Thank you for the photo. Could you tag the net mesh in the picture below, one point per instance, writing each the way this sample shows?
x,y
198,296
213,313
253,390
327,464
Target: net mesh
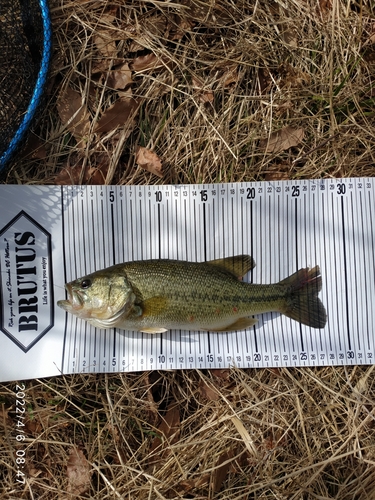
x,y
25,46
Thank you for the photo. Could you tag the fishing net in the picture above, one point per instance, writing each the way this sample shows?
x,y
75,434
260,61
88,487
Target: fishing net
x,y
25,49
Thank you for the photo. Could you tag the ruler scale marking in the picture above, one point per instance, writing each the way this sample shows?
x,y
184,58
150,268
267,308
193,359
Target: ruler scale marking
x,y
333,273
279,273
360,278
113,234
103,227
85,247
269,243
74,264
345,272
370,211
63,196
353,270
323,267
364,260
258,263
297,235
113,239
325,243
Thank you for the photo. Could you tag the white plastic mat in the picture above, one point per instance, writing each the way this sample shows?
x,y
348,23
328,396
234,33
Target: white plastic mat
x,y
51,235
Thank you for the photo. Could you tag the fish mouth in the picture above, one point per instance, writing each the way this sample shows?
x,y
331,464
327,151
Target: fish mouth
x,y
73,303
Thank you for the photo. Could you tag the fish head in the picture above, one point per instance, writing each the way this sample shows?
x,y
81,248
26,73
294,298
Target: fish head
x,y
102,297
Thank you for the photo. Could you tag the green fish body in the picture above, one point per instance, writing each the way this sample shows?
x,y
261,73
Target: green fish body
x,y
154,296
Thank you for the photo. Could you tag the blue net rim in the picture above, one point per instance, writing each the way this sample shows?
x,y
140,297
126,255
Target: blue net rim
x,y
38,89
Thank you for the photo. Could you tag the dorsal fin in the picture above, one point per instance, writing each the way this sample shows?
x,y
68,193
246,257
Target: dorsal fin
x,y
239,265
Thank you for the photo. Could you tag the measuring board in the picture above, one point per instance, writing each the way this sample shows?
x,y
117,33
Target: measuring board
x,y
285,225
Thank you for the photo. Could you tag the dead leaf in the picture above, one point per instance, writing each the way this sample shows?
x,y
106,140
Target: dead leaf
x,y
221,470
277,176
143,63
208,392
169,428
136,45
4,416
264,80
230,76
105,64
221,373
33,427
275,439
149,160
35,147
119,78
78,174
151,27
74,114
78,472
325,7
170,425
278,172
152,406
292,78
106,45
211,14
283,108
287,137
205,95
104,38
118,114
178,29
290,37
371,38
154,24
189,484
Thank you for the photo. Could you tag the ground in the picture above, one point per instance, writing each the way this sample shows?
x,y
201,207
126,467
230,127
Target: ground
x,y
191,92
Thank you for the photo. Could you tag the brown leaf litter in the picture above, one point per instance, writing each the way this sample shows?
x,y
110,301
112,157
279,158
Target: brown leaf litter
x,y
149,160
78,472
285,138
169,430
74,114
81,173
118,114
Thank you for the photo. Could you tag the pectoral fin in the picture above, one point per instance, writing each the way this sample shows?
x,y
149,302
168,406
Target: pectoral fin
x,y
239,265
154,306
240,324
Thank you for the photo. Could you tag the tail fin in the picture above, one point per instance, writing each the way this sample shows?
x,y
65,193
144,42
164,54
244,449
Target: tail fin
x,y
302,301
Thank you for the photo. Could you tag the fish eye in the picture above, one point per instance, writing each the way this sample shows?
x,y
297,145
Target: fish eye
x,y
85,283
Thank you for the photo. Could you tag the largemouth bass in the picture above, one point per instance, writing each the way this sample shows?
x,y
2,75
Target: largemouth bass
x,y
154,296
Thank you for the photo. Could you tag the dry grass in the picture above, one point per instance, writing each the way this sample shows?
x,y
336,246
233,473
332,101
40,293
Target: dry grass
x,y
272,434
227,75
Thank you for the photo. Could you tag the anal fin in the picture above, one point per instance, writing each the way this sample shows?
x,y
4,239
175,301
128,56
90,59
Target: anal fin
x,y
240,324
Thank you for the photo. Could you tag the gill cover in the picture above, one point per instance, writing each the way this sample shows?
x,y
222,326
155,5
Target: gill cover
x,y
100,298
